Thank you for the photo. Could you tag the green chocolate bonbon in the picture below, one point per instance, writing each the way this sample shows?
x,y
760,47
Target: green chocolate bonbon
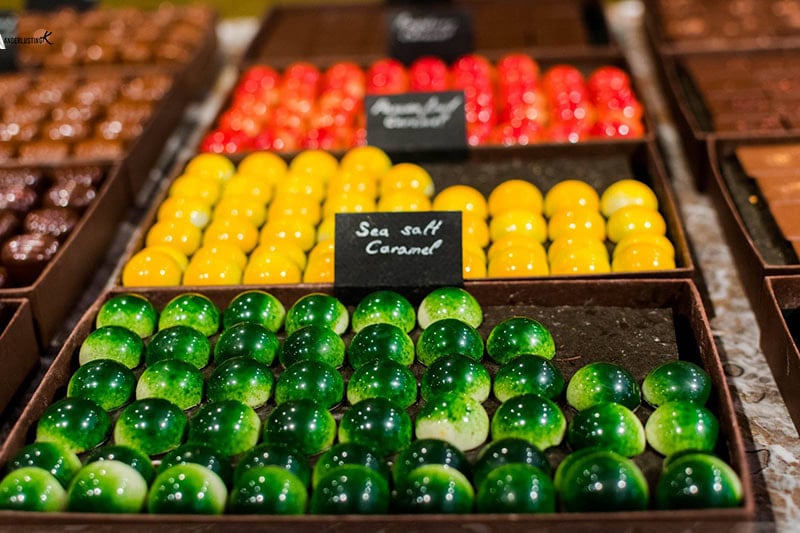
x,y
378,423
383,378
602,382
179,342
380,341
679,426
528,374
107,487
460,420
191,309
131,311
676,381
268,490
449,336
449,302
174,380
257,307
75,423
246,340
318,309
112,342
302,425
152,425
610,426
517,336
243,379
108,383
187,489
530,417
229,426
384,307
312,343
456,375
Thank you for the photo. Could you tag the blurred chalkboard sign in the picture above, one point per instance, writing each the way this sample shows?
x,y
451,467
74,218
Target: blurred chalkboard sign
x,y
440,31
55,5
417,122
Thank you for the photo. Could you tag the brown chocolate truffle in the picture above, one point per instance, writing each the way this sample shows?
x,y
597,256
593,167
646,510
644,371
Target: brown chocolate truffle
x,y
19,199
129,111
66,130
14,83
5,279
43,152
57,222
20,132
99,149
74,111
99,53
70,194
136,52
21,177
26,256
25,113
87,175
9,224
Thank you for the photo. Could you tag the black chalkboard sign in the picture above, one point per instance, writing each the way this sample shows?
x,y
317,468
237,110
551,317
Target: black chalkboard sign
x,y
412,122
444,32
398,250
8,49
55,5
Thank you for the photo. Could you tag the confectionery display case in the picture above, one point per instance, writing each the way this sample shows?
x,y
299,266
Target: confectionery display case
x,y
482,264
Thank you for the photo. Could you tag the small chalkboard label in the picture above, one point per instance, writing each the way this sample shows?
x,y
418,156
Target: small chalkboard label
x,y
8,47
444,32
412,122
398,250
55,5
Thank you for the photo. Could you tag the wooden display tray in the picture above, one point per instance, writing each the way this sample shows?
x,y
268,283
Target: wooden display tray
x,y
666,45
190,81
599,164
692,119
759,249
590,320
330,33
779,323
60,285
19,351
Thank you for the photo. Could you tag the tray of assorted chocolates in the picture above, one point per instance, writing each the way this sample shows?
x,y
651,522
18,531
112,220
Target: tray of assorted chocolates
x,y
753,191
513,99
381,412
698,25
179,39
329,33
555,210
55,225
98,115
19,349
730,95
778,314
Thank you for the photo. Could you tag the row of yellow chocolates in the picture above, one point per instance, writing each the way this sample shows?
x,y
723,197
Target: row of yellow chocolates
x,y
267,222
578,226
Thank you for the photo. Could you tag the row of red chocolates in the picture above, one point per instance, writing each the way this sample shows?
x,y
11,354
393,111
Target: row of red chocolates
x,y
513,101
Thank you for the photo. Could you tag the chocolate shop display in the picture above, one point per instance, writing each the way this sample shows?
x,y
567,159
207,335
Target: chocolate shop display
x,y
246,360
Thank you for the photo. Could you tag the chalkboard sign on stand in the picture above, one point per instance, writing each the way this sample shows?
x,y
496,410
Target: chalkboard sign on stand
x,y
412,252
417,122
439,31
